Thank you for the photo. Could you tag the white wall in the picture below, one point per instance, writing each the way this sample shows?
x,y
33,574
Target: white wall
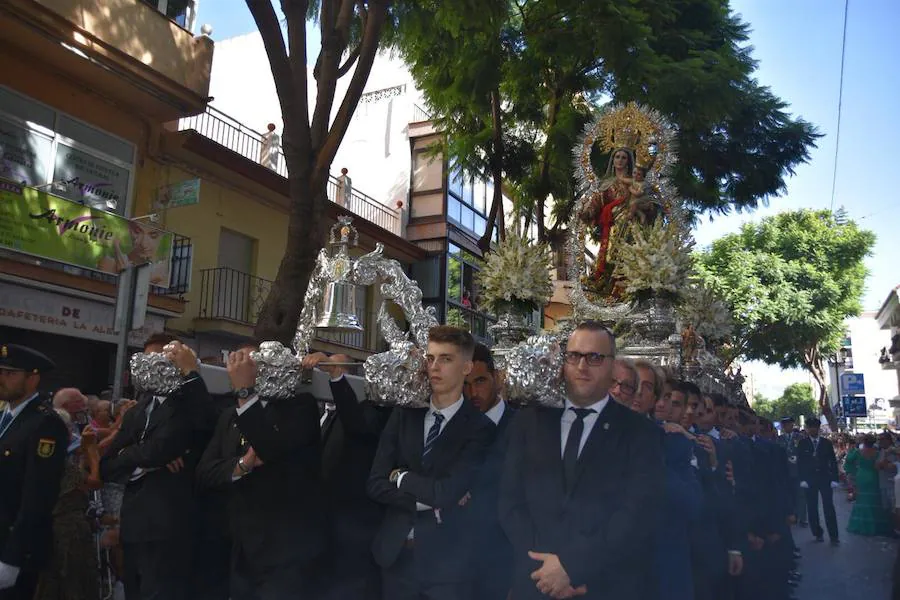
x,y
375,148
866,342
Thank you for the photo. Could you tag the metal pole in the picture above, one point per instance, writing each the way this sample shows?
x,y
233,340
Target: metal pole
x,y
127,280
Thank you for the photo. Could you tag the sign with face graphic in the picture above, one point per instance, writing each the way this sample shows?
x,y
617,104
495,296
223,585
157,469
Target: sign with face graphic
x,y
47,226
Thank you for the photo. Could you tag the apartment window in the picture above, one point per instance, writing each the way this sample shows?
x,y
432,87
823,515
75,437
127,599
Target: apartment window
x,y
468,201
42,147
182,12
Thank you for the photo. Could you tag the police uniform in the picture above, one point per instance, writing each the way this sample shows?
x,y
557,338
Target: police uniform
x,y
33,442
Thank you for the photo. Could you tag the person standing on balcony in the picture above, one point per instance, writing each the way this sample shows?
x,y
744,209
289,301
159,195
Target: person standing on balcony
x,y
271,148
345,189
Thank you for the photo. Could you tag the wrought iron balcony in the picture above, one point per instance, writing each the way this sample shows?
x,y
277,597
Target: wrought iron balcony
x,y
257,147
230,295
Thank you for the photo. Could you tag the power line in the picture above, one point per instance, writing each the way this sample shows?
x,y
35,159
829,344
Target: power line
x,y
837,138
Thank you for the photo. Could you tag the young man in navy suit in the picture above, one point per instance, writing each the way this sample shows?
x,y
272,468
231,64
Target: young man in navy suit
x,y
582,486
492,570
426,463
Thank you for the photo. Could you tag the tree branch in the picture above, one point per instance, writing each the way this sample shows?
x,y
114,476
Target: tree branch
x,y
368,47
270,31
348,64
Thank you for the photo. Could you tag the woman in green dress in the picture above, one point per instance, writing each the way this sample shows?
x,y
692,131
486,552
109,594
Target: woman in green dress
x,y
868,516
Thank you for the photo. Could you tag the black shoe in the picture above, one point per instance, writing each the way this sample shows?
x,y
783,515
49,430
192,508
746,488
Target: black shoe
x,y
835,542
803,524
819,539
797,554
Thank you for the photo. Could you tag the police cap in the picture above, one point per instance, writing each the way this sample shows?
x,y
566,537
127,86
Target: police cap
x,y
14,357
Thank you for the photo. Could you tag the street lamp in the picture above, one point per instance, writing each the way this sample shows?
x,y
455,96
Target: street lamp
x,y
839,359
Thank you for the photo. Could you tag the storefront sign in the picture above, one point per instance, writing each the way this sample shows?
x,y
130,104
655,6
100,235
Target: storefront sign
x,y
40,310
183,193
82,177
43,225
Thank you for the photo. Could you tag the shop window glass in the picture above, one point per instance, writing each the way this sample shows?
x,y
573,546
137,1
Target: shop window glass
x,y
24,154
96,139
468,218
84,178
453,209
26,109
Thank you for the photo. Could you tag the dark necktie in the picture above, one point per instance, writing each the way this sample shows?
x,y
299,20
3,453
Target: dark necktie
x,y
433,434
5,419
573,444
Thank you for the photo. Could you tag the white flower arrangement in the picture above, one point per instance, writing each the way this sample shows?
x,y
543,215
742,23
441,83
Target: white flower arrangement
x,y
656,260
702,309
516,276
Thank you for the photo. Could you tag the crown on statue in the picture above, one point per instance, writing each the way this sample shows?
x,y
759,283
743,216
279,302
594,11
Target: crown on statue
x,y
633,128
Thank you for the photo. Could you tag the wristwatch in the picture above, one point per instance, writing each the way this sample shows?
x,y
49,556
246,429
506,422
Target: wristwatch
x,y
244,393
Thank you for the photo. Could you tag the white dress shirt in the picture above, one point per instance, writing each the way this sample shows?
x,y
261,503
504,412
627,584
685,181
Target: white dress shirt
x,y
448,414
568,417
15,412
496,412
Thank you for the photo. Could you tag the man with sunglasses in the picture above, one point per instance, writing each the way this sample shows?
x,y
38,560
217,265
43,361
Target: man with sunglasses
x,y
582,486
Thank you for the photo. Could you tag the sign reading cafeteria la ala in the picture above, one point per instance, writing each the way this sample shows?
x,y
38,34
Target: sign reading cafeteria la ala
x,y
47,226
40,310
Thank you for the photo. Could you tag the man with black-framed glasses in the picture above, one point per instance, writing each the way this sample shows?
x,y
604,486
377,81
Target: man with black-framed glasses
x,y
582,486
625,382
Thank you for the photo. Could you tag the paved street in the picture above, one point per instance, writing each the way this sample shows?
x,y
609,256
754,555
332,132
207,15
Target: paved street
x,y
859,569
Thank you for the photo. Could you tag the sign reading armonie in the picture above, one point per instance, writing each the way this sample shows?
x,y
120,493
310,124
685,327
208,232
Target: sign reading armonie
x,y
47,226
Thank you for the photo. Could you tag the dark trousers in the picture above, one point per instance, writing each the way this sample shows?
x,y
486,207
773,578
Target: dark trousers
x,y
157,570
24,588
399,582
212,569
291,581
492,580
812,509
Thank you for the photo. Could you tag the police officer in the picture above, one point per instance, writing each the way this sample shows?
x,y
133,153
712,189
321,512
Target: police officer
x,y
33,441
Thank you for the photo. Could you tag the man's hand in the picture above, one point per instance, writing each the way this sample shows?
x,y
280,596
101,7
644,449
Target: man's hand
x,y
735,564
176,465
552,579
88,438
676,428
729,472
183,357
756,542
8,576
318,359
835,485
241,370
792,520
727,434
804,485
251,460
707,444
465,499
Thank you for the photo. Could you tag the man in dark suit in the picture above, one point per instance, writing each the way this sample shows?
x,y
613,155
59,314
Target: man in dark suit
x,y
819,477
152,455
269,452
492,570
33,441
426,462
583,486
350,432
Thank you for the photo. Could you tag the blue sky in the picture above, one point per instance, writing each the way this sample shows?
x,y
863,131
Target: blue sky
x,y
798,46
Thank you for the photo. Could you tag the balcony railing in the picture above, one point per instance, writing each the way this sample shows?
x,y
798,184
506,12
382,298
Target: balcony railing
x,y
230,295
253,145
420,115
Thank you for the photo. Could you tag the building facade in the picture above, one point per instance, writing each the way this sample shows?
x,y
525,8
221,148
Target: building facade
x,y
888,319
82,102
859,354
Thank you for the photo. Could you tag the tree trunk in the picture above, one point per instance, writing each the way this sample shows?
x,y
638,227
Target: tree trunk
x,y
496,173
544,180
816,368
306,236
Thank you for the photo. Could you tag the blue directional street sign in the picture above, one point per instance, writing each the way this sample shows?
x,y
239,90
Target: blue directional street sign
x,y
853,383
854,406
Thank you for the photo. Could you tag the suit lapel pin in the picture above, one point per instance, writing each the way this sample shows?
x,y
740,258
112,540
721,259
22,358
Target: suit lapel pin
x,y
606,427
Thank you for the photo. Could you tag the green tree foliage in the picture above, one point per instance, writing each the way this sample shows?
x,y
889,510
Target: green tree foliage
x,y
549,63
791,281
796,400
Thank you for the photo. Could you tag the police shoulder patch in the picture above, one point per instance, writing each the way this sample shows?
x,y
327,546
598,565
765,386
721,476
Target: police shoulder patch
x,y
46,447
